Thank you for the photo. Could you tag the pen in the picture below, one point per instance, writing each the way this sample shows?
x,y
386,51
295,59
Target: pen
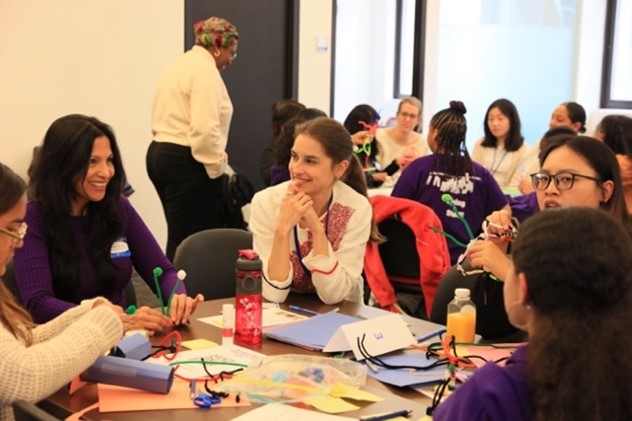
x,y
387,416
192,390
431,335
303,310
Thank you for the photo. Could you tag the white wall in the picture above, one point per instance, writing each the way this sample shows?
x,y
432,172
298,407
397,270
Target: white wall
x,y
314,78
103,58
93,57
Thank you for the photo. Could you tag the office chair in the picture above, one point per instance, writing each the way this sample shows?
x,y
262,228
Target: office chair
x,y
208,257
28,411
401,261
487,294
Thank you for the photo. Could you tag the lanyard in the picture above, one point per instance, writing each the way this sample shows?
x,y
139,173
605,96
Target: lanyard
x,y
297,245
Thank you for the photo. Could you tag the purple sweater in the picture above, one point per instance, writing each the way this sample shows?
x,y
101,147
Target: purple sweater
x,y
492,393
476,195
137,247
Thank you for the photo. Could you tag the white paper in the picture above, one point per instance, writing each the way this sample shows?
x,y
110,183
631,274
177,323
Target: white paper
x,y
280,412
381,335
270,316
232,354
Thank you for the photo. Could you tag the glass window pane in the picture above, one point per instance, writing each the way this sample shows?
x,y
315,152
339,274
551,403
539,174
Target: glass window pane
x,y
621,82
514,49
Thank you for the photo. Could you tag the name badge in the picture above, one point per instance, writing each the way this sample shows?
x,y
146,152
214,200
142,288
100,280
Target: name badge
x,y
120,249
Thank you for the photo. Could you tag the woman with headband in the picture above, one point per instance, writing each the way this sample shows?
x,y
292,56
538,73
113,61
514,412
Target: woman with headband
x,y
191,115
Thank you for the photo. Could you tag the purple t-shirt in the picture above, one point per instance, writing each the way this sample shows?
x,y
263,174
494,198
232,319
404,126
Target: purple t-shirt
x,y
476,195
137,247
524,206
492,393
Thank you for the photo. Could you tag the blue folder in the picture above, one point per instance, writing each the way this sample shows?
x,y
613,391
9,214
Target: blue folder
x,y
312,333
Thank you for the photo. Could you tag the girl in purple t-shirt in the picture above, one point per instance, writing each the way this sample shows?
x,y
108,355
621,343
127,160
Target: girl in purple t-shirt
x,y
451,171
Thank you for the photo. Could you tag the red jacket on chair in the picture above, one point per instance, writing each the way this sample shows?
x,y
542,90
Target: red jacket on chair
x,y
432,248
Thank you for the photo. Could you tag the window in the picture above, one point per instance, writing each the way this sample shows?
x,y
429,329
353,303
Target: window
x,y
616,86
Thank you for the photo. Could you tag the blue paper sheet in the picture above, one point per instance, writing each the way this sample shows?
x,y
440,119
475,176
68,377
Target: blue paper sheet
x,y
406,376
312,333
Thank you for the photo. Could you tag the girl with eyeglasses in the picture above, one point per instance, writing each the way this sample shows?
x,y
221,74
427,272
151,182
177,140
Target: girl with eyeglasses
x,y
575,171
587,175
569,287
38,360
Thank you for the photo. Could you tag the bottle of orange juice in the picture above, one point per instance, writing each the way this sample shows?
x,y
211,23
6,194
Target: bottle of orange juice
x,y
461,316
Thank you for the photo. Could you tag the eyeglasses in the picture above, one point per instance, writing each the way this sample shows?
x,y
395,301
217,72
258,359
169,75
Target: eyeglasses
x,y
563,180
408,115
16,236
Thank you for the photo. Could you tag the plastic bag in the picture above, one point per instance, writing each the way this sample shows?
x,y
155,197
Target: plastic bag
x,y
295,377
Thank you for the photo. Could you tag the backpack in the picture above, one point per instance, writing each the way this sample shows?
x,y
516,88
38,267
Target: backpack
x,y
431,247
237,192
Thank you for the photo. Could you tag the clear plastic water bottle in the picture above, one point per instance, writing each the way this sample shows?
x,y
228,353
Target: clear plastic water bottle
x,y
461,316
248,300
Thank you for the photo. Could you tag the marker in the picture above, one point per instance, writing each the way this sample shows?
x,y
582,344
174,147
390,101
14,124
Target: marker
x,y
431,335
303,310
387,416
192,390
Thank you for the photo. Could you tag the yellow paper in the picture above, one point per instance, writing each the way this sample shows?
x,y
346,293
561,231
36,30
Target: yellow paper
x,y
344,391
199,344
330,404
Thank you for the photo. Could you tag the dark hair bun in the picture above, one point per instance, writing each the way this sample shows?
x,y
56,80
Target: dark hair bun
x,y
458,106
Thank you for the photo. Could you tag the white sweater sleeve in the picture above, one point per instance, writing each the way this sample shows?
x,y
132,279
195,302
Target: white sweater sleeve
x,y
62,349
262,221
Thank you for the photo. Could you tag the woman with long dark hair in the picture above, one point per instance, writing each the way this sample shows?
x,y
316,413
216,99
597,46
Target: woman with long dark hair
x,y
85,236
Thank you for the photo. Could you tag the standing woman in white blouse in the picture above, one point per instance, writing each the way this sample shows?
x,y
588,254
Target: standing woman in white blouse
x,y
187,161
502,150
401,144
311,231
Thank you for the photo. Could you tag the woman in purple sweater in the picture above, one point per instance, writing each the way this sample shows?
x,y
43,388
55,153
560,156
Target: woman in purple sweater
x,y
569,287
84,237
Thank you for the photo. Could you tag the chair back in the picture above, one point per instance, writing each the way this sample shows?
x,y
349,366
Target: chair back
x,y
492,322
401,262
28,411
209,257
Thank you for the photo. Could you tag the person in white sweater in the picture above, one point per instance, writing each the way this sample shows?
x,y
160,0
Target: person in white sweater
x,y
38,360
311,231
401,144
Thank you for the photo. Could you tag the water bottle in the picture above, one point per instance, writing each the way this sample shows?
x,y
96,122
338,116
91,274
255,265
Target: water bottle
x,y
248,301
461,316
